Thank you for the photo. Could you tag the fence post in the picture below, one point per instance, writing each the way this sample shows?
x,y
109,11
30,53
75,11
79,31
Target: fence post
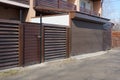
x,y
41,39
68,42
42,44
21,45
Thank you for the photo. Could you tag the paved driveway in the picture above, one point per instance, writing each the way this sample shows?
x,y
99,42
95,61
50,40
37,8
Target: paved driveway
x,y
104,67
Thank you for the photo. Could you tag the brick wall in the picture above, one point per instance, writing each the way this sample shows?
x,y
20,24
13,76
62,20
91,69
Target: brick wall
x,y
115,39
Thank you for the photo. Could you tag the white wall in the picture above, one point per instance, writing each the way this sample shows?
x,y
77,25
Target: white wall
x,y
57,19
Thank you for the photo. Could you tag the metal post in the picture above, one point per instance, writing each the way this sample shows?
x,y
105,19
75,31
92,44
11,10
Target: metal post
x,y
102,2
21,15
40,19
58,3
40,37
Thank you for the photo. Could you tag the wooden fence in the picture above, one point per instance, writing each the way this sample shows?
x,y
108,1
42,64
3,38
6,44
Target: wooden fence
x,y
9,43
39,44
115,39
28,43
31,44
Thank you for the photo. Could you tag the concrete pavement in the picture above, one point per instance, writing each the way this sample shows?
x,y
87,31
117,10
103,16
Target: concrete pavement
x,y
103,67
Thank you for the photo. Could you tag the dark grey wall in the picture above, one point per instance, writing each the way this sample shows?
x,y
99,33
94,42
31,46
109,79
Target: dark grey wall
x,y
86,37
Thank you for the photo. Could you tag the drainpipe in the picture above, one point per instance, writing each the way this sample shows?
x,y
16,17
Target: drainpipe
x,y
41,37
21,15
102,1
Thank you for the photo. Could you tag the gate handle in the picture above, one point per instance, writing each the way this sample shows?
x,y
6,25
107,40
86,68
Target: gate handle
x,y
39,36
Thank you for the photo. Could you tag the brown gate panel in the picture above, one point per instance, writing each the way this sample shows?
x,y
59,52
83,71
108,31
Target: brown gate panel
x,y
30,43
87,37
55,45
49,44
39,44
9,44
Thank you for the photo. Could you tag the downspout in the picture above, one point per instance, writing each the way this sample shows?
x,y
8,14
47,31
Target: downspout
x,y
102,1
41,38
21,15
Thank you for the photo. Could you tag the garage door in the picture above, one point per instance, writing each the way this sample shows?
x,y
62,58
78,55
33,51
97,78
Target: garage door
x,y
87,37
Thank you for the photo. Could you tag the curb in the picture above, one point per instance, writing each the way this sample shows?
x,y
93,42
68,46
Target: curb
x,y
83,56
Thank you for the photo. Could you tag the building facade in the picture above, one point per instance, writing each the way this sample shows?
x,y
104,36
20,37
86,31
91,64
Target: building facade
x,y
43,30
28,9
82,16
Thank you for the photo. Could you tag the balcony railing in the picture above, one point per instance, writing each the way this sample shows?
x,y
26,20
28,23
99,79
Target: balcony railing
x,y
83,10
54,4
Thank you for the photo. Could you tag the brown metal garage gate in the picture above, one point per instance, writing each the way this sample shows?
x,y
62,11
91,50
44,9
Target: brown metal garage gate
x,y
43,44
89,37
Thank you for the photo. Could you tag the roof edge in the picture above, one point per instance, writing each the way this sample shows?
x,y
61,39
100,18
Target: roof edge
x,y
93,16
15,3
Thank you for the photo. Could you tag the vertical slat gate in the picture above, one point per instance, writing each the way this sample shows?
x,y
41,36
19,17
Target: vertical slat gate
x,y
30,51
9,44
55,45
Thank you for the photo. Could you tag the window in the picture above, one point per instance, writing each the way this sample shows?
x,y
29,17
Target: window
x,y
82,4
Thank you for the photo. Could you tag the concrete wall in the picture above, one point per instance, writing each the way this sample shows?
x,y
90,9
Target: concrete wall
x,y
56,19
31,12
